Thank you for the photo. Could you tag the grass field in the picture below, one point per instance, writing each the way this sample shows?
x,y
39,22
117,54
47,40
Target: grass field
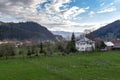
x,y
88,66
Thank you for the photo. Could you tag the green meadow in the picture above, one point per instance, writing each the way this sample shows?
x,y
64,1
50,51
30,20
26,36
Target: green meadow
x,y
79,66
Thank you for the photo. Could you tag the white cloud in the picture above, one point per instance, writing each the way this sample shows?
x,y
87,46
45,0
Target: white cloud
x,y
107,10
59,3
73,12
23,10
75,27
92,13
41,1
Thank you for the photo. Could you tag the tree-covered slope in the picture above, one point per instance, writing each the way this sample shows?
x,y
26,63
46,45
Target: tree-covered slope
x,y
24,31
110,31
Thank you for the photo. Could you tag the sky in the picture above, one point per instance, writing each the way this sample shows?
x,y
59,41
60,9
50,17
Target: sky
x,y
62,15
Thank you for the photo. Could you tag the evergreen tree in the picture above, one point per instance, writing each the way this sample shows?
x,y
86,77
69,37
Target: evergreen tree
x,y
102,45
29,53
41,48
72,43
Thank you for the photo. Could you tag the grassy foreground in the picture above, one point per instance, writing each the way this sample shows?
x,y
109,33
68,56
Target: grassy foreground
x,y
90,66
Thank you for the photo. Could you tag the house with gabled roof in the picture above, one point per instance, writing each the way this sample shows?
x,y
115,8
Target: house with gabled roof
x,y
112,45
109,45
116,44
85,44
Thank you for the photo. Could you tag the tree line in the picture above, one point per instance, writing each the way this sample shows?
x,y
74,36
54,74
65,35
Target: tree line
x,y
44,49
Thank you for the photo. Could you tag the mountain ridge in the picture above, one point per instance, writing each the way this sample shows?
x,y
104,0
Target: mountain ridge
x,y
109,31
24,31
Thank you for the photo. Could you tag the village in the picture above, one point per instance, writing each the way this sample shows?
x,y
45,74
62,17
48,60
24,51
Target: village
x,y
81,43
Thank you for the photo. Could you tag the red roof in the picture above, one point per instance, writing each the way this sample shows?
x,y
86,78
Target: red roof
x,y
116,43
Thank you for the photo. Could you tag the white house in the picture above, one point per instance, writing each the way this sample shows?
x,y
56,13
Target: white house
x,y
109,45
85,44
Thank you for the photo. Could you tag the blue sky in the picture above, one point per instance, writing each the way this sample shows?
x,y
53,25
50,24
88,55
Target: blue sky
x,y
62,15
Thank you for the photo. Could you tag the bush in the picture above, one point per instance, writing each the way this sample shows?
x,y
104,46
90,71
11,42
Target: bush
x,y
7,50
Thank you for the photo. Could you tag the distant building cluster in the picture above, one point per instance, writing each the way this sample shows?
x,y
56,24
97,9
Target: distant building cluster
x,y
16,43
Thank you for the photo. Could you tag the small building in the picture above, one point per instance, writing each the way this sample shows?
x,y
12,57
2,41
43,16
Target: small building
x,y
85,44
116,44
112,45
108,45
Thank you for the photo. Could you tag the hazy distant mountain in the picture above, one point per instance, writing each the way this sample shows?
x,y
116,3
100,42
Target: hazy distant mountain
x,y
110,31
24,31
59,38
66,35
